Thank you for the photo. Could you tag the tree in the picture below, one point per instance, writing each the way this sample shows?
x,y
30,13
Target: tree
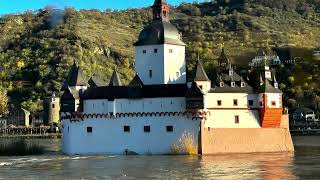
x,y
3,103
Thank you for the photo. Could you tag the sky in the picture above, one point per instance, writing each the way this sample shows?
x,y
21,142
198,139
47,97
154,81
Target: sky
x,y
19,6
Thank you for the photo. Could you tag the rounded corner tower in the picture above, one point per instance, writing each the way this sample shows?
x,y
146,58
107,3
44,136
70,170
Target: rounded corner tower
x,y
160,51
52,110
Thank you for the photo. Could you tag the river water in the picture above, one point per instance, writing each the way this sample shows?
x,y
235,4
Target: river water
x,y
303,164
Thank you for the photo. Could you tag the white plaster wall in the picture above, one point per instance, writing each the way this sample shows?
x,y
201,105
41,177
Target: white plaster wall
x,y
150,61
206,85
277,97
227,100
226,119
135,105
224,116
274,97
108,136
174,63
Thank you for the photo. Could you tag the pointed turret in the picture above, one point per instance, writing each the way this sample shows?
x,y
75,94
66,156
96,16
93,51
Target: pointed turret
x,y
115,80
201,74
223,60
136,82
161,10
75,78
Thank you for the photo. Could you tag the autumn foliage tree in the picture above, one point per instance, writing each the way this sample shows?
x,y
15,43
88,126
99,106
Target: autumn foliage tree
x,y
3,103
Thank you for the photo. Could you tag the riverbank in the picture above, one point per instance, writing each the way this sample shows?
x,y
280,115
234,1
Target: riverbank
x,y
33,136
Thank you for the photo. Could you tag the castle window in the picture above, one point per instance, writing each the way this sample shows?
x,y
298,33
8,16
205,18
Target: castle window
x,y
243,84
89,129
150,73
261,104
155,50
235,102
146,129
144,51
126,128
250,102
52,106
233,84
276,85
236,119
169,128
273,103
219,103
170,50
221,84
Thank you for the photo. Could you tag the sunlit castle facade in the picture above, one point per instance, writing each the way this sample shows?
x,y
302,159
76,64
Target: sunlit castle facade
x,y
228,114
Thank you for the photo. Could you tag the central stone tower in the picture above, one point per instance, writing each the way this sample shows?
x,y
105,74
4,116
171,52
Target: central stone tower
x,y
160,51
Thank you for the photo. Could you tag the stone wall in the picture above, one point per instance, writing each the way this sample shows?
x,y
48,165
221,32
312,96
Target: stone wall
x,y
216,141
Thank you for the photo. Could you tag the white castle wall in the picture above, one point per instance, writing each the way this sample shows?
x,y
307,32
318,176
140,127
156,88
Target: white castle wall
x,y
167,64
108,136
150,61
224,116
174,63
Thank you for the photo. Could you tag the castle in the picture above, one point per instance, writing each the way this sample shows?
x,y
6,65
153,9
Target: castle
x,y
228,114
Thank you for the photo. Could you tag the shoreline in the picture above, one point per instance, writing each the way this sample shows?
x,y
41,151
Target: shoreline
x,y
33,136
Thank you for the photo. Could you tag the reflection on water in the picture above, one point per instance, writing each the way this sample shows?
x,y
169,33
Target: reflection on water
x,y
304,164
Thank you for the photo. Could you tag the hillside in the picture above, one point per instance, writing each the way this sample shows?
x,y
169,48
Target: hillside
x,y
39,47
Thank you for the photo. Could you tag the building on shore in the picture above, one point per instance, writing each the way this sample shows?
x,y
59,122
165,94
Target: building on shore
x,y
3,124
159,107
51,110
19,117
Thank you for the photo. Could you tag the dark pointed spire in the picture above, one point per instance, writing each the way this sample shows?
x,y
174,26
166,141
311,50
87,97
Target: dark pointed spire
x,y
223,59
161,10
75,77
115,80
201,74
136,82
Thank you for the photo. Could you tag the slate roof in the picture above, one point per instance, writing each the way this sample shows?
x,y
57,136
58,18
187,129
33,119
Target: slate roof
x,y
136,82
159,32
200,74
127,92
70,94
194,91
228,89
75,78
268,88
115,79
96,81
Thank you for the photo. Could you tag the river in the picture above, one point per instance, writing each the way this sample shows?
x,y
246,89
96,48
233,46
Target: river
x,y
303,164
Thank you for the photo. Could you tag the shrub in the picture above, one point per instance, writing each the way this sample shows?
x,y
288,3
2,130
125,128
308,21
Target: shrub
x,y
19,147
185,145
